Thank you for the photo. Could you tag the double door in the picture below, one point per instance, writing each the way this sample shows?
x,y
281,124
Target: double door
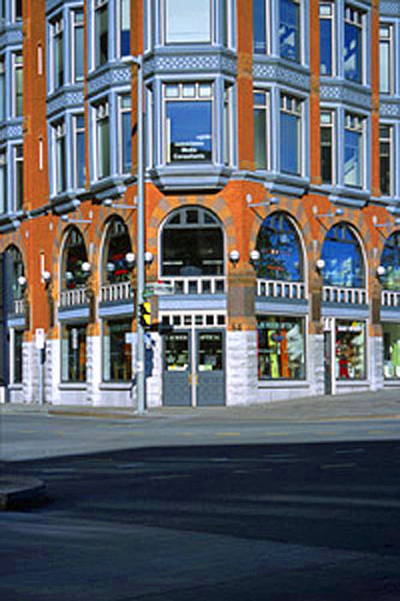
x,y
194,368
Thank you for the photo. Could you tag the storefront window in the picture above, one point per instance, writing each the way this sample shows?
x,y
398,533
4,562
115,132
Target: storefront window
x,y
73,353
344,265
117,351
17,356
281,349
176,356
350,350
280,250
391,261
391,351
118,244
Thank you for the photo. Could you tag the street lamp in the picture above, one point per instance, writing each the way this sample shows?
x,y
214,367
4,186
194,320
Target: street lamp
x,y
140,237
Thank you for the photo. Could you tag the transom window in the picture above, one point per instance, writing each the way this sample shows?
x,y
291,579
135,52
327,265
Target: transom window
x,y
353,44
344,263
187,21
391,260
188,114
117,245
192,244
281,256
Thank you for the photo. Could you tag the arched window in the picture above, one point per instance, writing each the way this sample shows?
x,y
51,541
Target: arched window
x,y
15,271
74,255
281,256
192,244
344,263
391,260
117,245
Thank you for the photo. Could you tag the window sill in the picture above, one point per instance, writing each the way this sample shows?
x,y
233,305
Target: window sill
x,y
281,383
110,186
116,386
72,386
284,183
191,177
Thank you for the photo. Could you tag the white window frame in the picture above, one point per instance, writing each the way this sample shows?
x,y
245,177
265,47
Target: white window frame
x,y
3,181
119,23
16,66
356,123
75,26
98,5
300,58
333,127
14,17
121,111
102,113
2,89
389,140
332,18
56,34
17,161
75,131
356,17
266,106
390,41
293,105
164,26
59,135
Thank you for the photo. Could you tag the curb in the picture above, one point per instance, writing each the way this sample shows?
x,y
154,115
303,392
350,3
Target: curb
x,y
20,492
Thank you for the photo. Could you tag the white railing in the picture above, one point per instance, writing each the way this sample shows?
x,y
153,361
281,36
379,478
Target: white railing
x,y
390,298
280,289
19,307
197,285
353,296
72,298
113,293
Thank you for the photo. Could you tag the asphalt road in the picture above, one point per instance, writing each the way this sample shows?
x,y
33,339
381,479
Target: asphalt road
x,y
244,522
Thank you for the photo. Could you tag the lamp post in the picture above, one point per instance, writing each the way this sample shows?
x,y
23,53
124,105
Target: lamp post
x,y
140,239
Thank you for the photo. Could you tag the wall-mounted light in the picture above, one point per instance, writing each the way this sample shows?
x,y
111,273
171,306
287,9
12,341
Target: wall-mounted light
x,y
130,260
86,269
320,265
380,272
68,219
254,257
264,203
22,281
110,267
109,202
46,277
336,213
234,257
386,224
148,257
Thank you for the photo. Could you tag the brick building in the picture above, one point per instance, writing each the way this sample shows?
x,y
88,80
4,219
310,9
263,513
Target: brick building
x,y
272,189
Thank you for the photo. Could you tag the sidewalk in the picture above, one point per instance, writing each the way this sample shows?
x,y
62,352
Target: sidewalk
x,y
382,404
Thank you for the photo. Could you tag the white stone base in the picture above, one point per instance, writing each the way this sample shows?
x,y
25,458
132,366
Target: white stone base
x,y
241,368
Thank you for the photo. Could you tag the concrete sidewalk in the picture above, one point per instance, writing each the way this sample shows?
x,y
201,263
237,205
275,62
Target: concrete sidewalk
x,y
382,404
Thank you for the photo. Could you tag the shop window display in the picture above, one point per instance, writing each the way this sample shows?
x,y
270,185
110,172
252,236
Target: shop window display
x,y
73,353
280,251
391,351
117,351
118,244
391,261
74,257
344,264
350,350
281,348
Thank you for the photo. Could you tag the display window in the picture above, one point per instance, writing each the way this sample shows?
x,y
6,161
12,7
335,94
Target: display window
x,y
350,350
344,264
117,351
391,351
281,348
73,353
391,261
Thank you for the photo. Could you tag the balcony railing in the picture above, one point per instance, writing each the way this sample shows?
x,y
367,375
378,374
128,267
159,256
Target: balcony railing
x,y
114,293
73,298
279,289
353,296
197,285
390,298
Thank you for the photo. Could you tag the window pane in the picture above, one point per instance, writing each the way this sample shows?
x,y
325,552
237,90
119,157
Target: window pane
x,y
17,356
73,351
326,155
385,168
19,178
281,349
290,143
352,158
280,250
80,166
384,67
103,150
289,29
117,351
391,351
344,265
187,21
259,27
126,142
352,53
125,48
59,60
3,183
189,129
101,35
350,350
193,251
78,47
60,164
2,91
391,260
260,141
325,28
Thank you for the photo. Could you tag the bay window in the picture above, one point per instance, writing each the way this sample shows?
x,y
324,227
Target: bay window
x,y
188,114
187,21
102,141
289,29
386,159
327,133
101,32
281,348
353,150
290,130
77,41
261,130
353,44
326,38
385,59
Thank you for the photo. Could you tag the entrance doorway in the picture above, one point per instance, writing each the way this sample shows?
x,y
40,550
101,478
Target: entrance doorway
x,y
194,368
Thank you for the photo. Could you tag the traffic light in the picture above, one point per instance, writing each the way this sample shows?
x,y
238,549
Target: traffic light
x,y
145,315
